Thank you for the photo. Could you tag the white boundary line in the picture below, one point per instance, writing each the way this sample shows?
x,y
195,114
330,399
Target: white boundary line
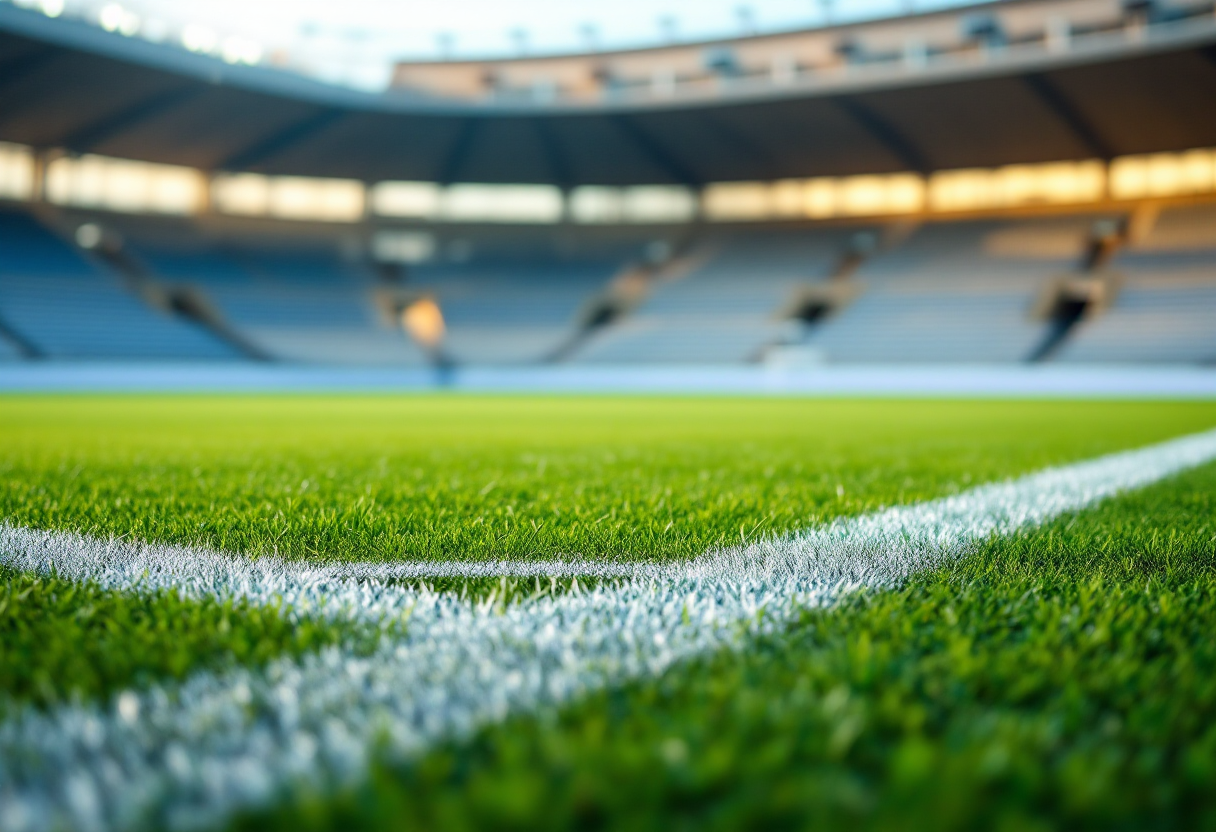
x,y
191,754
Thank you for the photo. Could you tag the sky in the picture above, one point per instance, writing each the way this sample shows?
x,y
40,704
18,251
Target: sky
x,y
355,41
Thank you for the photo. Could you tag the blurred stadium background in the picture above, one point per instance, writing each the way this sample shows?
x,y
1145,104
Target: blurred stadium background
x,y
1005,183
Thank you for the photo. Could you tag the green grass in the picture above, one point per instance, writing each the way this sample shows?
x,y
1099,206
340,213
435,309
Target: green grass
x,y
499,477
62,641
1062,679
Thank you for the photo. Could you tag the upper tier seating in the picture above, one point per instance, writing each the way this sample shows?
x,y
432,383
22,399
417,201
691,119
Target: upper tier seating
x,y
69,308
8,350
514,308
306,303
726,309
944,292
955,292
296,305
1166,310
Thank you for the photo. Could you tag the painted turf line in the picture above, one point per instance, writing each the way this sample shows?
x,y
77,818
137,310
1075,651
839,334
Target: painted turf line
x,y
369,589
191,754
334,589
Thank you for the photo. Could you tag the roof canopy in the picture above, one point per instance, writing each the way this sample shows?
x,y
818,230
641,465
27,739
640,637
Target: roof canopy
x,y
66,85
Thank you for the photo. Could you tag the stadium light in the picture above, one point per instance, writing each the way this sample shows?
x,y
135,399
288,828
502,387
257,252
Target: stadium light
x,y
737,201
110,17
246,194
199,38
51,8
854,196
289,197
123,185
307,198
93,181
17,171
819,198
659,204
238,50
468,202
593,205
1058,183
1163,174
596,205
154,29
860,196
415,200
501,203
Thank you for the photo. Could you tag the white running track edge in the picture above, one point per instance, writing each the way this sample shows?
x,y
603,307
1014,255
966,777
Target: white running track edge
x,y
189,755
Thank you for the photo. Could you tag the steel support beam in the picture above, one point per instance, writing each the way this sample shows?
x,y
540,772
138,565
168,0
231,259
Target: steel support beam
x,y
458,154
1051,97
765,165
555,156
886,134
282,140
652,150
85,138
13,72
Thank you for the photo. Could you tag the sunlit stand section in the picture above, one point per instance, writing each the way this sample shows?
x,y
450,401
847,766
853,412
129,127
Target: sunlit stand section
x,y
288,197
396,223
18,175
124,186
128,186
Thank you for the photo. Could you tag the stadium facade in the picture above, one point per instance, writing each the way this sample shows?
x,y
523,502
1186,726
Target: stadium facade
x,y
1023,181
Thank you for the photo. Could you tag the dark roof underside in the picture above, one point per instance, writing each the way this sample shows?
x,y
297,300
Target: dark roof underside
x,y
55,94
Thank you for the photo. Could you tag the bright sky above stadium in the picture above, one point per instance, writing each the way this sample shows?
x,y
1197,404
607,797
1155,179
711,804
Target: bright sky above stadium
x,y
354,41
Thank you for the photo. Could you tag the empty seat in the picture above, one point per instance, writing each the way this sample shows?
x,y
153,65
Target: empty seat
x,y
1166,311
69,308
727,308
303,304
510,309
955,293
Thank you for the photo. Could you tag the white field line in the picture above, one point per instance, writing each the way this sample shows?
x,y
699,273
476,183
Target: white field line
x,y
191,754
334,588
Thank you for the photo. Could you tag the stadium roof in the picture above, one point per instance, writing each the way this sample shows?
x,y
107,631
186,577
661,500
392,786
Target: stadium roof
x,y
68,85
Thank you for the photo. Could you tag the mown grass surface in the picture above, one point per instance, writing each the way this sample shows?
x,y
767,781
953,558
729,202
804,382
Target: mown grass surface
x,y
1061,679
446,477
63,641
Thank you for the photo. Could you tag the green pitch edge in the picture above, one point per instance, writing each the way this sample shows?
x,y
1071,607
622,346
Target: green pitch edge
x,y
1058,679
488,478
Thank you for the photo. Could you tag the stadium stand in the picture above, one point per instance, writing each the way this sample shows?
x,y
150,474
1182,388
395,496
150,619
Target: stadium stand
x,y
63,306
510,309
955,292
1166,309
941,292
303,302
10,350
925,188
295,305
728,307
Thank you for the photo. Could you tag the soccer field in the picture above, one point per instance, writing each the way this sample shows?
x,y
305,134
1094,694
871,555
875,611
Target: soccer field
x,y
612,612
